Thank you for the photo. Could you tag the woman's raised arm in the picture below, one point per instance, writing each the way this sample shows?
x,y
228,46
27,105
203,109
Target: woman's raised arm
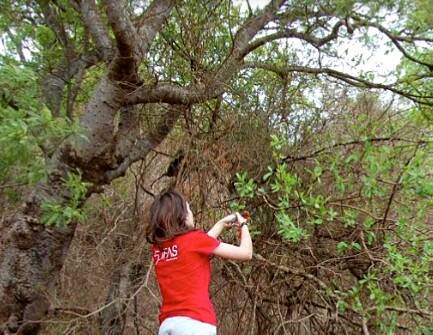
x,y
243,252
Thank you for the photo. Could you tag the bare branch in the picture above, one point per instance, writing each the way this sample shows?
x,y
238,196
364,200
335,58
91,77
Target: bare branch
x,y
72,64
241,44
152,140
132,41
174,94
54,82
132,47
252,26
420,312
151,22
96,27
354,142
297,272
396,39
292,33
397,182
347,78
364,326
369,22
126,36
171,93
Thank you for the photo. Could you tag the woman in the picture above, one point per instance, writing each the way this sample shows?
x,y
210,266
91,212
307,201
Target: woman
x,y
181,255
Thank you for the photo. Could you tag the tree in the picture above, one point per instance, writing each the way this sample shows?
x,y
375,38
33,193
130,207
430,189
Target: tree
x,y
161,58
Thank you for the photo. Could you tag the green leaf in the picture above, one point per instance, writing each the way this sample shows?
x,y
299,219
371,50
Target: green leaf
x,y
342,247
288,230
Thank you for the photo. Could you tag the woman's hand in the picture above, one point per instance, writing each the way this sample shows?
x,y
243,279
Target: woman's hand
x,y
218,227
245,250
229,221
240,219
234,220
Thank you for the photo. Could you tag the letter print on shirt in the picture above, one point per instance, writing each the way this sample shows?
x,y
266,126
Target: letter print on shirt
x,y
166,254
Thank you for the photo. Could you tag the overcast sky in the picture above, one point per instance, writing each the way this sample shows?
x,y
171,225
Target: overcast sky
x,y
382,60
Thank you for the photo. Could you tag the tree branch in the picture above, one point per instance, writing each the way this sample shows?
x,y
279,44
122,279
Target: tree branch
x,y
214,83
241,45
152,21
397,183
54,82
293,33
132,47
136,42
296,272
124,32
153,139
395,39
96,27
170,93
354,142
72,64
347,78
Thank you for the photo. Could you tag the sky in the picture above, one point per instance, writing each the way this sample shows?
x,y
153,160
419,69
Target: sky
x,y
382,60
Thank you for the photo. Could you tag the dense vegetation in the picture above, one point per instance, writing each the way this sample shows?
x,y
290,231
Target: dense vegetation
x,y
104,104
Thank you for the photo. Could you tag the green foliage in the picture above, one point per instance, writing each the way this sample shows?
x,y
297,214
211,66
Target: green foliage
x,y
420,15
306,195
287,228
199,35
245,187
28,131
61,214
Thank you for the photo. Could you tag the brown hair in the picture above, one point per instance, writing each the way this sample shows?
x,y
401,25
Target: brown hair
x,y
168,215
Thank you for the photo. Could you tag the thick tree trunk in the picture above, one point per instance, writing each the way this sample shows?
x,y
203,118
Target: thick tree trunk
x,y
123,286
31,255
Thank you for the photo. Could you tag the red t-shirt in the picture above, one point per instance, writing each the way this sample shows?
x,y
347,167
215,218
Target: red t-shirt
x,y
182,267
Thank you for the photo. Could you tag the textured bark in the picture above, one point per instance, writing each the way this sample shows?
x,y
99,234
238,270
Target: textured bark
x,y
142,146
123,285
52,89
53,85
94,153
94,24
30,254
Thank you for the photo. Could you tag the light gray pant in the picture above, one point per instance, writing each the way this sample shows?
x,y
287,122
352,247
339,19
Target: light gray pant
x,y
182,325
